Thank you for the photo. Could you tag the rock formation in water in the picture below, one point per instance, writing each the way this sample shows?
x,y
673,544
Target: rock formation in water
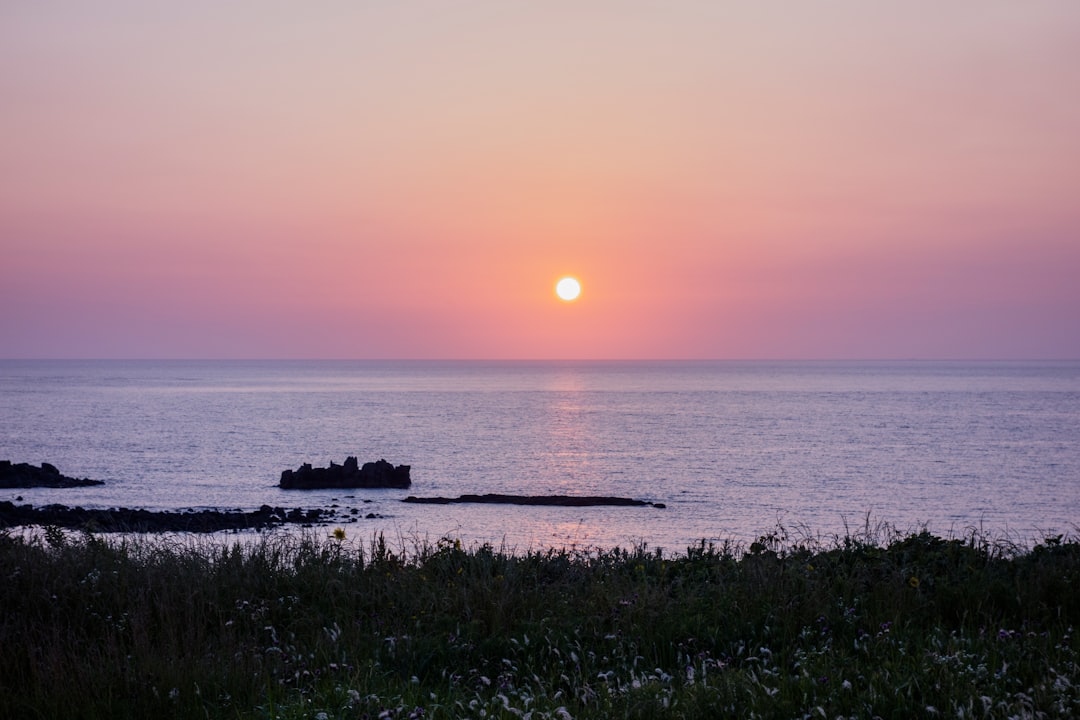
x,y
24,475
380,474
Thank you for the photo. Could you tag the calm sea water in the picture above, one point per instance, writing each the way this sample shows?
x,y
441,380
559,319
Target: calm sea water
x,y
732,448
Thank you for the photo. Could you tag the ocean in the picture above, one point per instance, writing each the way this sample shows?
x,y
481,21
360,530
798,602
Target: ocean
x,y
734,450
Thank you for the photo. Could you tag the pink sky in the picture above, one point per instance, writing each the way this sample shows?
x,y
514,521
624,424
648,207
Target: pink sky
x,y
408,180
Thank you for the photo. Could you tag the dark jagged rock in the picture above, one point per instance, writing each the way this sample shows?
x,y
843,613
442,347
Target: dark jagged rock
x,y
559,500
380,474
139,520
24,475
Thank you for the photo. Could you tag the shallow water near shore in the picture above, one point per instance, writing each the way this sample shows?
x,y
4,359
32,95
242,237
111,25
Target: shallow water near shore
x,y
731,448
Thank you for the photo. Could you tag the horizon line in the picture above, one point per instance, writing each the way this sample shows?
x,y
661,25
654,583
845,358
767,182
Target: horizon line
x,y
541,359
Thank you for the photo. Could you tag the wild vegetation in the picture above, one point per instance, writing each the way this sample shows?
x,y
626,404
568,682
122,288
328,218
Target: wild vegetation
x,y
874,624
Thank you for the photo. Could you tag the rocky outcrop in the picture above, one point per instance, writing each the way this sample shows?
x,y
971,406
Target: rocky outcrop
x,y
559,500
380,474
24,475
139,520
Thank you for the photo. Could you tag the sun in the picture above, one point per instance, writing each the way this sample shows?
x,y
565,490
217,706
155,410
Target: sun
x,y
568,289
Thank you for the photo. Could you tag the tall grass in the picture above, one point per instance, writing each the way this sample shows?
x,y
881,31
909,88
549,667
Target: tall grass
x,y
872,624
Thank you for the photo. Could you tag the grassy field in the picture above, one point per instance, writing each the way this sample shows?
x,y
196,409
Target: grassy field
x,y
325,626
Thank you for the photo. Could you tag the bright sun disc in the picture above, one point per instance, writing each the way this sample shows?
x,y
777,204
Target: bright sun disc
x,y
568,288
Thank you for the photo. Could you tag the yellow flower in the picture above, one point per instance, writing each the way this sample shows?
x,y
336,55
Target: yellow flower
x,y
913,581
339,533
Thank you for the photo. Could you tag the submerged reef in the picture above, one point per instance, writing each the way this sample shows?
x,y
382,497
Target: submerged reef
x,y
558,500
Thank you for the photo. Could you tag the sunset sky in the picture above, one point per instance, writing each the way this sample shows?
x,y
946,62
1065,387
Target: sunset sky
x,y
835,179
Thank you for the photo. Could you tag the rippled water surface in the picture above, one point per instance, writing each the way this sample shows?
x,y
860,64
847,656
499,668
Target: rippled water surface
x,y
732,448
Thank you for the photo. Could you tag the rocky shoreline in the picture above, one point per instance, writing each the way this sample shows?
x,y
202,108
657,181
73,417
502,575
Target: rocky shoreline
x,y
351,474
152,521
